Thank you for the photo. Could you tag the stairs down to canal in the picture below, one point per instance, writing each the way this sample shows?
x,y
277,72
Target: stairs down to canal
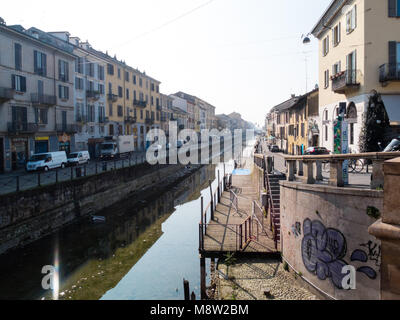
x,y
239,223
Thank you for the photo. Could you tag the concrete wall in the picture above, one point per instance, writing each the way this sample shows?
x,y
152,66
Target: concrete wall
x,y
325,228
30,215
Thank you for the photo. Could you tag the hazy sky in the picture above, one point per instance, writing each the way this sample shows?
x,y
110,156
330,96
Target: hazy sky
x,y
239,55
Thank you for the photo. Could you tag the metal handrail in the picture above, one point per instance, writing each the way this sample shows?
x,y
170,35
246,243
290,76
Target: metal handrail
x,y
234,201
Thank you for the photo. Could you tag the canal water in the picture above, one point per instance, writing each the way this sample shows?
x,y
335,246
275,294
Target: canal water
x,y
142,251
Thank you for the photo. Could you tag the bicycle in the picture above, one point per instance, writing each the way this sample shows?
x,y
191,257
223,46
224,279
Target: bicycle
x,y
356,165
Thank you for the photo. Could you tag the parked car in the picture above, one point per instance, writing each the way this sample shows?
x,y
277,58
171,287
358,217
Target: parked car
x,y
77,158
47,161
316,151
274,148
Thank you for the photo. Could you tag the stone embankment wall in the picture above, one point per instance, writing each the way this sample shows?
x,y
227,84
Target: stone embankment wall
x,y
326,228
30,215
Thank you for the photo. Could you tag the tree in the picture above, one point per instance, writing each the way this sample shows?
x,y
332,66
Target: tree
x,y
376,122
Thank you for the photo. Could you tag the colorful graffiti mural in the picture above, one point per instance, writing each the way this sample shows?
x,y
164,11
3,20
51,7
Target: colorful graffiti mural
x,y
324,249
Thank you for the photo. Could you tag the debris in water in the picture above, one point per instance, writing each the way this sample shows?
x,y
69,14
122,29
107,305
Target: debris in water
x,y
98,219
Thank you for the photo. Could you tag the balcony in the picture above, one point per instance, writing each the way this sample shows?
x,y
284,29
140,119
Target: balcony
x,y
6,94
139,103
112,97
149,121
389,72
66,128
130,120
43,99
92,95
344,81
22,127
103,119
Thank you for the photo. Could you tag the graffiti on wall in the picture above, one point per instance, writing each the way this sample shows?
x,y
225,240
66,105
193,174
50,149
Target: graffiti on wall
x,y
324,249
296,229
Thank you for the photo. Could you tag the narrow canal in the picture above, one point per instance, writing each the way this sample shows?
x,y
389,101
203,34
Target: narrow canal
x,y
141,252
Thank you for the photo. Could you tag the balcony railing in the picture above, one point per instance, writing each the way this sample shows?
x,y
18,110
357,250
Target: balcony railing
x,y
149,121
22,127
43,99
112,97
6,94
139,103
130,119
93,95
389,72
344,81
67,128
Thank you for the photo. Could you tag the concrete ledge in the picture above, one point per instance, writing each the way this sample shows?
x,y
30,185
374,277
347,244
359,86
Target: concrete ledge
x,y
333,190
385,231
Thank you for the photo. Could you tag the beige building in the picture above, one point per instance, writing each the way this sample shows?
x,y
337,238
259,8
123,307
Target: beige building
x,y
359,51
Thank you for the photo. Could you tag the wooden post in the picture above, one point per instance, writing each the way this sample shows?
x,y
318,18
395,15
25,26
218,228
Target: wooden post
x,y
212,201
186,289
203,278
193,296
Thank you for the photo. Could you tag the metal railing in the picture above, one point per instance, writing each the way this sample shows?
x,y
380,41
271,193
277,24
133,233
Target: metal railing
x,y
139,103
43,99
12,184
344,80
389,72
22,127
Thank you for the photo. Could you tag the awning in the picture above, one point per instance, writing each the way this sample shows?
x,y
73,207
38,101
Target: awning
x,y
392,105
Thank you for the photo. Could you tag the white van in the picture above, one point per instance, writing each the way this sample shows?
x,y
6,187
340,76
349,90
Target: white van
x,y
77,158
47,161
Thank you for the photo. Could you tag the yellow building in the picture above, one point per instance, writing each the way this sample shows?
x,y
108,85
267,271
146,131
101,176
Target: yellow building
x,y
134,102
301,131
359,51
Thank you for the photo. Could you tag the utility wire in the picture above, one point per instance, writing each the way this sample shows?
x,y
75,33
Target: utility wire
x,y
168,22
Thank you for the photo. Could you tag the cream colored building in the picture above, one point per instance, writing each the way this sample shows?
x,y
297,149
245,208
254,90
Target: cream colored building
x,y
359,51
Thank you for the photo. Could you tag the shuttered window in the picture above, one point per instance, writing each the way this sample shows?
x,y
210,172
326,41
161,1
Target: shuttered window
x,y
394,8
18,56
18,83
39,63
63,72
351,20
63,92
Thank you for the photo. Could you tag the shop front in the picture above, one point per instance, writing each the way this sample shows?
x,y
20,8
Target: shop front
x,y
19,152
64,143
41,144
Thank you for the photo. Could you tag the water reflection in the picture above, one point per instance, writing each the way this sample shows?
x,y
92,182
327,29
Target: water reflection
x,y
116,245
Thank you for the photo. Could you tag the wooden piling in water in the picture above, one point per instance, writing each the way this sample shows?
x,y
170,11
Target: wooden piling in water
x,y
193,296
203,278
186,289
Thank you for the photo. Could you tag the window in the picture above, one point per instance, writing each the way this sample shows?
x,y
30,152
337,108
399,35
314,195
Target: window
x,y
127,94
336,68
127,76
41,116
351,20
120,111
39,63
111,130
325,46
140,82
63,92
63,72
326,79
152,101
336,35
141,114
110,88
18,56
134,79
90,69
90,111
110,69
120,93
152,87
394,8
78,83
100,72
101,88
79,65
119,73
326,133
90,86
18,83
110,110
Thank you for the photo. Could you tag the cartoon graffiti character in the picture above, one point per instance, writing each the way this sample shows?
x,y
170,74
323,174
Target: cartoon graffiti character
x,y
323,250
296,229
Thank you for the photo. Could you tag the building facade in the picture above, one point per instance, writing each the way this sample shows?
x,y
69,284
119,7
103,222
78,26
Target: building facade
x,y
36,95
359,43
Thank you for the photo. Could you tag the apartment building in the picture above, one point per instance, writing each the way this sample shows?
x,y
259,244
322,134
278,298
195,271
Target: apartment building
x,y
359,45
166,112
89,95
36,95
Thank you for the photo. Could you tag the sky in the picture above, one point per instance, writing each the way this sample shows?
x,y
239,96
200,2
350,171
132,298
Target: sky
x,y
241,56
